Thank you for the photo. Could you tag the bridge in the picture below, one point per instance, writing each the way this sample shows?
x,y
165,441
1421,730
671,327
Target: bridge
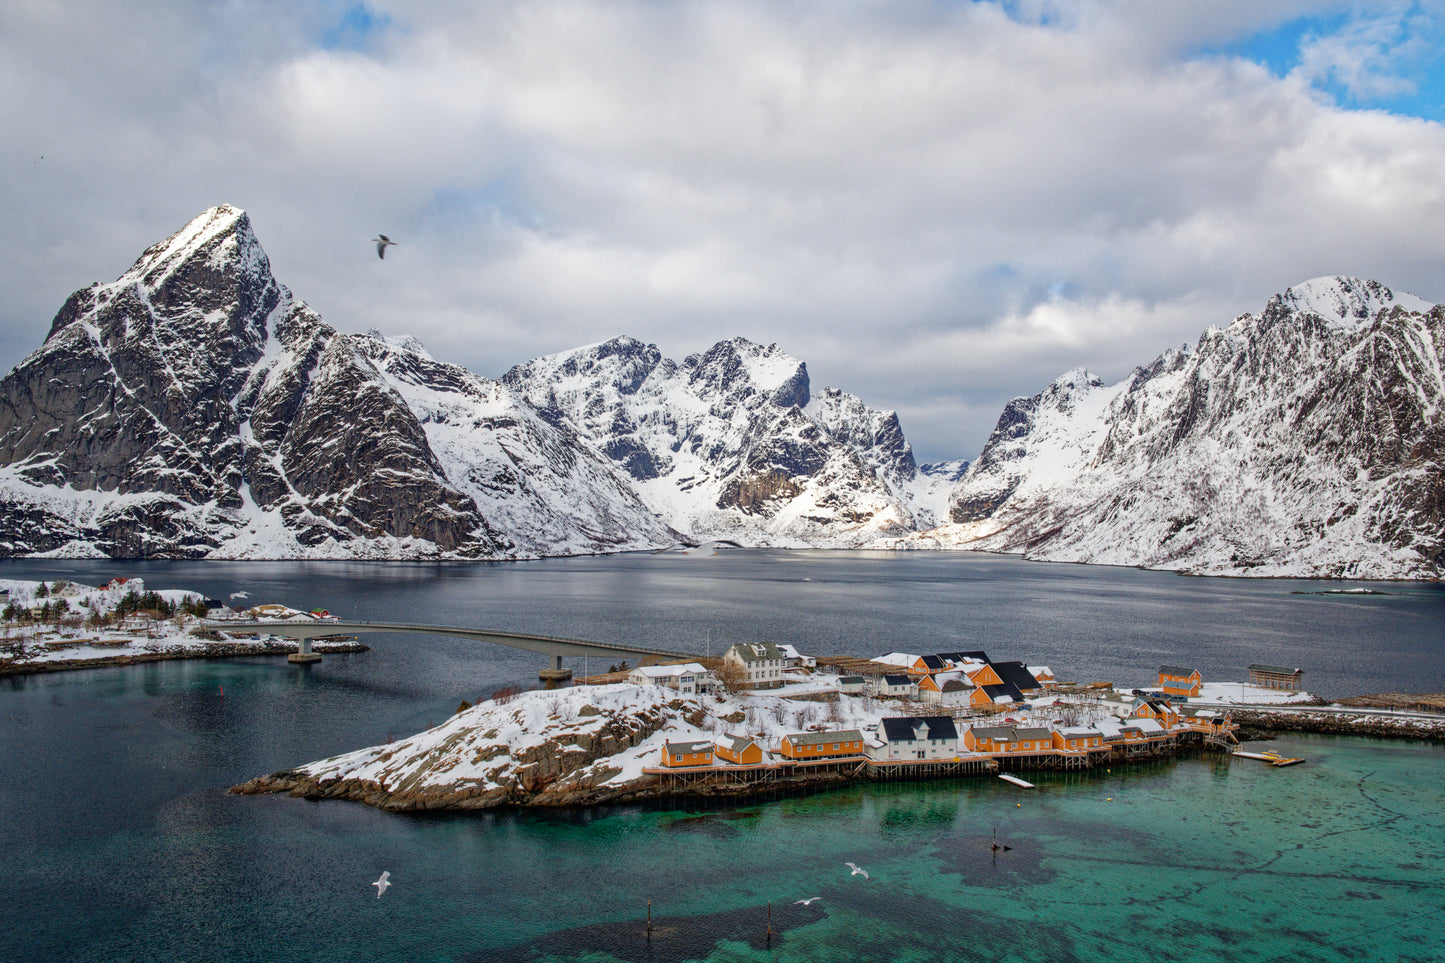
x,y
556,649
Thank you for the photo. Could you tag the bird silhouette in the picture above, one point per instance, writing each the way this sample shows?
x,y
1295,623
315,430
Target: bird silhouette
x,y
381,242
858,870
240,595
806,902
382,883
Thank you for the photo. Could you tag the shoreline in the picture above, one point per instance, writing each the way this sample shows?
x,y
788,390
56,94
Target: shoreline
x,y
233,648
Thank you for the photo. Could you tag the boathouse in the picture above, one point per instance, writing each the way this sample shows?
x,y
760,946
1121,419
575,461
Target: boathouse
x,y
916,737
1276,676
803,746
1007,739
739,750
683,754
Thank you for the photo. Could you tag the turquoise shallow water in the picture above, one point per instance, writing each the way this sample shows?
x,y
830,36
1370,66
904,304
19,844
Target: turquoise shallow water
x,y
121,843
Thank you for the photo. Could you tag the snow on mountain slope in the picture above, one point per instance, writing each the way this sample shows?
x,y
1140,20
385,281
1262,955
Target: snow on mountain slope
x,y
194,408
550,491
1305,440
729,443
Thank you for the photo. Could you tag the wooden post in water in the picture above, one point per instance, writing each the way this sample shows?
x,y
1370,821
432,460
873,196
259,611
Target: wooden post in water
x,y
770,923
649,919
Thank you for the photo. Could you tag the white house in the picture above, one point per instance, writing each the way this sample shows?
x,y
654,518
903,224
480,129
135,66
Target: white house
x,y
688,678
916,738
763,663
899,686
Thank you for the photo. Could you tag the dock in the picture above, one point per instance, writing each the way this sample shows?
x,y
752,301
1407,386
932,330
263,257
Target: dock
x,y
1016,780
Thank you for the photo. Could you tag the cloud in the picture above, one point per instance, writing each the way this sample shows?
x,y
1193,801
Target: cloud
x,y
937,205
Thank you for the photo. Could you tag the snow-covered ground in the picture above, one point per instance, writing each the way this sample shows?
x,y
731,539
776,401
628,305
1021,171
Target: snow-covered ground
x,y
41,647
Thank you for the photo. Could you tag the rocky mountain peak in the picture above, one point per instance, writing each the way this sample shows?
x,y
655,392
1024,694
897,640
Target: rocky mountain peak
x,y
1344,303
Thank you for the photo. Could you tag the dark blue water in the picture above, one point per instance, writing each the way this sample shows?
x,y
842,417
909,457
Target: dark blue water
x,y
121,843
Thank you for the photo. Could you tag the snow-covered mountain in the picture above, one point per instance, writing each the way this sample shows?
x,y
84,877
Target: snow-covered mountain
x,y
1305,440
194,408
731,443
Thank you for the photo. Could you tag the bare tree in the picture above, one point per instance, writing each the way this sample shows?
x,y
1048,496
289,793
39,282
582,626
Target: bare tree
x,y
732,676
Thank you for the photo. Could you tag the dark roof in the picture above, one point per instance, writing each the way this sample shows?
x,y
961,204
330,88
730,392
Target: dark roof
x,y
814,738
956,685
758,652
737,743
935,663
905,728
1017,674
1008,689
1176,670
851,680
1261,667
898,679
977,656
678,748
1010,733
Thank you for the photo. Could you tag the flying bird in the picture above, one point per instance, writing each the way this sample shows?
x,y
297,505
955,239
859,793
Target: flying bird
x,y
807,901
382,883
381,242
857,870
240,595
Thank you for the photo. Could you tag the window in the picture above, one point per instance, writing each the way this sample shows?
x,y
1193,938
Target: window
x,y
677,759
836,747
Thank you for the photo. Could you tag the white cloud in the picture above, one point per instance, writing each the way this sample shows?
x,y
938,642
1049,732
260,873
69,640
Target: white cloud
x,y
936,205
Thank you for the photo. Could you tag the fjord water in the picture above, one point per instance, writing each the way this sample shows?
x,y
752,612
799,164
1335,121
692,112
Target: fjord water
x,y
122,844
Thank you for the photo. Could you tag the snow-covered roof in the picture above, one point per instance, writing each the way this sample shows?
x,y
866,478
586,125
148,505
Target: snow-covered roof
x,y
896,658
669,671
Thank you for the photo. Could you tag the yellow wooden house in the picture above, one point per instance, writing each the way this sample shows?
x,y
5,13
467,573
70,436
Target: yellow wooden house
x,y
739,750
676,755
803,746
1176,680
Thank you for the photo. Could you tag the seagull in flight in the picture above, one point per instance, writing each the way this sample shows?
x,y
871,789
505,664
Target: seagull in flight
x,y
857,870
381,242
382,883
807,901
240,595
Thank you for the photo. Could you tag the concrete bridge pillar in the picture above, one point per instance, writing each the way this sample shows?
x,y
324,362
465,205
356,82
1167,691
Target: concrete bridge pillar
x,y
303,654
554,676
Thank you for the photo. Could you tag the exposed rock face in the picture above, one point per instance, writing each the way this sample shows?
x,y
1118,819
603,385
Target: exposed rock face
x,y
194,408
1305,440
494,755
731,442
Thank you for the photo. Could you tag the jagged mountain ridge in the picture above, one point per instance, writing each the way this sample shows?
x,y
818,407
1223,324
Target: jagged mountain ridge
x,y
731,442
1305,440
195,408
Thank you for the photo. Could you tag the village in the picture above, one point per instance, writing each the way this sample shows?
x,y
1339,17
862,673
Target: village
x,y
947,713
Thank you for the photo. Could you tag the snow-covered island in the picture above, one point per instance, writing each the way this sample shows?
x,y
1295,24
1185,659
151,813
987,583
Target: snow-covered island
x,y
51,626
704,734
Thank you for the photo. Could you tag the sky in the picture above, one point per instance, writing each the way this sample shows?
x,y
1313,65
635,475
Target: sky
x,y
938,205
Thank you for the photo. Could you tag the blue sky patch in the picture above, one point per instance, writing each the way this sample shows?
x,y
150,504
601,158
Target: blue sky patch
x,y
1390,60
356,28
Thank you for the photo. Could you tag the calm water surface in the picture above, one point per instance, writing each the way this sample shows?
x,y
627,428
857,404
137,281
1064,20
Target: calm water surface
x,y
121,843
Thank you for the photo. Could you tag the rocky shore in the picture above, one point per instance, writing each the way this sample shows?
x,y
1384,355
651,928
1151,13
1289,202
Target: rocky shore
x,y
1362,723
173,649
